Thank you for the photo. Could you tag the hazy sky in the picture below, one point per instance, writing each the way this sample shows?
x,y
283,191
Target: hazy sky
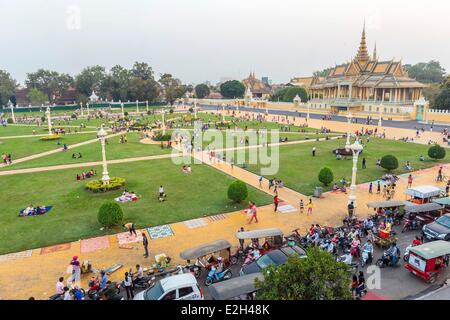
x,y
198,40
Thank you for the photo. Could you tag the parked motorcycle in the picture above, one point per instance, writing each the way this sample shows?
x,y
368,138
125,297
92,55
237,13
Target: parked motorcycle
x,y
385,261
214,276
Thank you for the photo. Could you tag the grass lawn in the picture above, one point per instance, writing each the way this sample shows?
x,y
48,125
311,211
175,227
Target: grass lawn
x,y
74,215
299,170
92,152
22,147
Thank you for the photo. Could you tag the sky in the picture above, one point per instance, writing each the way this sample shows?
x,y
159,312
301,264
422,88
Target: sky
x,y
200,40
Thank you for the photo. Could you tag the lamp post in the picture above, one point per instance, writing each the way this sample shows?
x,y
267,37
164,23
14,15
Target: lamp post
x,y
163,121
49,121
356,148
307,113
81,107
349,119
87,108
146,105
137,106
223,113
101,134
379,119
13,117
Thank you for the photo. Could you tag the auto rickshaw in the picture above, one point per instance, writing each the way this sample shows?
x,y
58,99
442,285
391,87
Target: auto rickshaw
x,y
273,239
428,260
240,288
206,255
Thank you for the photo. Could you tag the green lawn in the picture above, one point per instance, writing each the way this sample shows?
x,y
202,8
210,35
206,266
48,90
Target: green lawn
x,y
299,170
74,216
92,152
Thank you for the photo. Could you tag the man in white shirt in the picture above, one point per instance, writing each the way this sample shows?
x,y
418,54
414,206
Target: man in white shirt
x,y
60,286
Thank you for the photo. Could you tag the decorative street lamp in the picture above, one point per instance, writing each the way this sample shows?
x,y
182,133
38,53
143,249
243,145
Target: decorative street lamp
x,y
81,107
146,104
356,148
87,107
102,136
163,121
121,107
307,113
137,106
349,119
49,121
223,113
13,117
379,119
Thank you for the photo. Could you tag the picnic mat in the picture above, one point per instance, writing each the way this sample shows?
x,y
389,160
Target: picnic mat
x,y
160,231
94,244
285,207
58,247
16,255
125,238
47,209
218,217
195,223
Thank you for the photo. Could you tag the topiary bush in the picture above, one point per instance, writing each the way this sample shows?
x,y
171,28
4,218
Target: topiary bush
x,y
191,110
50,138
96,186
389,162
436,152
162,137
73,116
10,120
326,176
110,214
237,191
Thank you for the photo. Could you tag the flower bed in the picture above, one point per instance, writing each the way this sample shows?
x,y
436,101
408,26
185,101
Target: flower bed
x,y
96,186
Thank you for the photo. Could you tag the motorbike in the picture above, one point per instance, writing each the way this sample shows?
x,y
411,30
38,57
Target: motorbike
x,y
365,257
385,261
214,276
410,225
94,291
142,283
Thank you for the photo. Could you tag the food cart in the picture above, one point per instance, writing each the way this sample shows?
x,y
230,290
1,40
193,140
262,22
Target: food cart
x,y
423,194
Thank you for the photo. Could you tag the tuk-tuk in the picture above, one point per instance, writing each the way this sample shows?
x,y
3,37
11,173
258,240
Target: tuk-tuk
x,y
425,213
206,255
428,260
423,194
394,208
240,288
273,239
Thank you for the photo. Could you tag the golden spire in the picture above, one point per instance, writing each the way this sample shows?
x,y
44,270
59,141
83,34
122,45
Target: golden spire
x,y
363,54
375,53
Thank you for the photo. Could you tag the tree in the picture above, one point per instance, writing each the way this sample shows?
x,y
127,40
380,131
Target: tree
x,y
143,90
316,277
142,71
110,214
173,88
36,96
237,191
116,83
436,152
291,92
430,72
7,87
201,90
89,79
322,73
232,89
326,176
389,162
442,101
52,83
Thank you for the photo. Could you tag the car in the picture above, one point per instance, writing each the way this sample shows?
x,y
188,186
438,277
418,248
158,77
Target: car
x,y
272,258
177,287
438,230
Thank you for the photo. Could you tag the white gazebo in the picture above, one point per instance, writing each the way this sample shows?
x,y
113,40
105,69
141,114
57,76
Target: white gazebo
x,y
93,97
248,97
297,101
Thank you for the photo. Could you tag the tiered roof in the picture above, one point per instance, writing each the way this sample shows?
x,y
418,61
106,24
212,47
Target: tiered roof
x,y
256,86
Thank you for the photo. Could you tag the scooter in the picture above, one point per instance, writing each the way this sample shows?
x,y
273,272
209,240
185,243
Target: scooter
x,y
214,276
365,257
410,225
385,261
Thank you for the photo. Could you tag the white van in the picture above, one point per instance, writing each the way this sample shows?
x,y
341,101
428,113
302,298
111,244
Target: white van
x,y
177,287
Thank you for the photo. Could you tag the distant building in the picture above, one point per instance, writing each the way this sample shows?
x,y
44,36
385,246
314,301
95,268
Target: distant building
x,y
304,82
259,89
365,84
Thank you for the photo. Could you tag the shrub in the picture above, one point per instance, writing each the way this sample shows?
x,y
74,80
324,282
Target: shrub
x,y
162,137
237,191
326,176
110,214
191,110
73,116
125,113
389,162
43,119
171,110
97,185
10,120
436,152
50,138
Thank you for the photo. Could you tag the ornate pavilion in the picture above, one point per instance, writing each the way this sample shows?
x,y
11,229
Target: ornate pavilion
x,y
365,84
259,89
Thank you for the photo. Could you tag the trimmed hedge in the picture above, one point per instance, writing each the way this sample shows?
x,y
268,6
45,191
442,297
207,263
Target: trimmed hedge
x,y
436,152
110,214
237,191
50,138
389,162
98,186
326,176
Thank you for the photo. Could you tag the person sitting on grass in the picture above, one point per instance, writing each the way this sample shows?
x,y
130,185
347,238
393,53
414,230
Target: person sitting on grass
x,y
29,210
162,194
335,187
73,156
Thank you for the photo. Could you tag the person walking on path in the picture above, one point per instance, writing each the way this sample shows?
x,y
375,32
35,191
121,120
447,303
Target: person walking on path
x,y
410,181
275,203
314,151
371,188
130,227
241,241
364,163
378,187
309,207
128,284
76,270
260,179
302,206
145,244
253,212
